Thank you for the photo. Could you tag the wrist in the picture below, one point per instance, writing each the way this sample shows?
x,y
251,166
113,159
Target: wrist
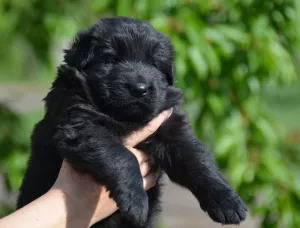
x,y
84,199
55,200
75,212
84,208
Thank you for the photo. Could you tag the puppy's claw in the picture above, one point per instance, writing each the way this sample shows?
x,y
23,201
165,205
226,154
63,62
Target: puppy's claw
x,y
224,207
134,207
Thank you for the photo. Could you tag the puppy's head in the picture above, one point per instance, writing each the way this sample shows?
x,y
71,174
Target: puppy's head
x,y
128,67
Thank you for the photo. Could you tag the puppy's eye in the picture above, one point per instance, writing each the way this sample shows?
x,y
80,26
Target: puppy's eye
x,y
155,64
106,61
110,61
106,58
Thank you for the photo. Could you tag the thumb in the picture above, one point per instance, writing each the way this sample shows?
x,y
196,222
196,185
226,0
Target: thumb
x,y
140,135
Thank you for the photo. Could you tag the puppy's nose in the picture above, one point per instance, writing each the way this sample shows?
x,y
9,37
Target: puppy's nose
x,y
139,89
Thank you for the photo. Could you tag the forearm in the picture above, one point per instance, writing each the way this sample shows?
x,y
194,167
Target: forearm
x,y
50,210
54,209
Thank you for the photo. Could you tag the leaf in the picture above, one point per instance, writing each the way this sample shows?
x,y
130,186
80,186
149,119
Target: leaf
x,y
287,215
15,167
214,35
276,168
237,173
198,62
254,85
259,26
250,174
266,130
253,61
225,145
212,60
280,55
97,5
124,8
161,23
235,34
181,68
216,104
193,26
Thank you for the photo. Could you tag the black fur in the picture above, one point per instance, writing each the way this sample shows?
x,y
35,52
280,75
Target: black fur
x,y
92,105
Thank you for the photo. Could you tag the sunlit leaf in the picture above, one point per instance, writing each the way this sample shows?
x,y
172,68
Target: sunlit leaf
x,y
212,59
266,130
216,104
237,173
198,62
225,145
235,34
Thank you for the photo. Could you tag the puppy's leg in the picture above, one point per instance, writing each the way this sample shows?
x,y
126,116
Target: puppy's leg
x,y
189,164
93,149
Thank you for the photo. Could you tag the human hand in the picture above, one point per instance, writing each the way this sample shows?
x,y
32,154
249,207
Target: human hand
x,y
88,200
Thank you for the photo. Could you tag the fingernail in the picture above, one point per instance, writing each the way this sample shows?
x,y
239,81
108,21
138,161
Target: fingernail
x,y
170,111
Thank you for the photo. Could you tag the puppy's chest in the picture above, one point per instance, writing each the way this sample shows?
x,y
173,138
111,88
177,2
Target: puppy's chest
x,y
155,149
155,145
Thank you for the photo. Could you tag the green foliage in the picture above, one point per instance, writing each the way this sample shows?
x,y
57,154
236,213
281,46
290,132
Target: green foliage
x,y
227,52
13,151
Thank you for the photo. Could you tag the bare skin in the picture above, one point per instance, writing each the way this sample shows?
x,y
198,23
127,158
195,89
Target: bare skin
x,y
75,200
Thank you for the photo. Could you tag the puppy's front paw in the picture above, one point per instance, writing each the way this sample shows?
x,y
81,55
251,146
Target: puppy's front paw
x,y
224,206
133,205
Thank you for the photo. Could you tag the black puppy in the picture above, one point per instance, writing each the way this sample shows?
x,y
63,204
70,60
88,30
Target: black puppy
x,y
118,76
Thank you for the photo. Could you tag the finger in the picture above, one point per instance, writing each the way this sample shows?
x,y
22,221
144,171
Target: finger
x,y
140,155
150,180
65,165
140,135
145,168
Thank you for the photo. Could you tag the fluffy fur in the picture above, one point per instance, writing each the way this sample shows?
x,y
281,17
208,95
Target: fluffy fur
x,y
95,101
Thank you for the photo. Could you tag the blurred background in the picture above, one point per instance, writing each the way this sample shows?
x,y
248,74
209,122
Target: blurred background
x,y
237,62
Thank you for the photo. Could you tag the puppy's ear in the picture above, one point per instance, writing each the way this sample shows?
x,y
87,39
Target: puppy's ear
x,y
81,50
75,80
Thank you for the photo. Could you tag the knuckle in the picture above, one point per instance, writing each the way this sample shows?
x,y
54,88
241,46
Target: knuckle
x,y
129,140
150,128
